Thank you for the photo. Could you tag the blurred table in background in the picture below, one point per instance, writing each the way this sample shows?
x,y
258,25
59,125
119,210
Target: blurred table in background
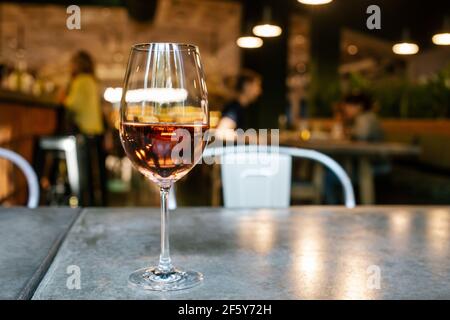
x,y
317,252
348,147
364,153
430,134
29,240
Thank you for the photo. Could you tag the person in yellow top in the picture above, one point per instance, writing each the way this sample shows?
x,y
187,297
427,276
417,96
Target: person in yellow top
x,y
83,103
83,99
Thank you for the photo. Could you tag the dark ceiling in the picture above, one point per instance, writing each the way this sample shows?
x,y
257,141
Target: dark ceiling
x,y
422,17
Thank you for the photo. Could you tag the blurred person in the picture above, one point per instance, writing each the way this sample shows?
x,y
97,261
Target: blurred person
x,y
82,99
360,123
364,123
248,88
83,104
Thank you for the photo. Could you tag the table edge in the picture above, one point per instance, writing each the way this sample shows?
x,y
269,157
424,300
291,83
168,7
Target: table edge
x,y
28,290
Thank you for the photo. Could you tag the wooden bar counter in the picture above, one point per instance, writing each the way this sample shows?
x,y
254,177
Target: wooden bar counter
x,y
23,118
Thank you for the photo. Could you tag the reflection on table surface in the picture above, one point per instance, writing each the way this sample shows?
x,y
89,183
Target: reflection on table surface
x,y
297,253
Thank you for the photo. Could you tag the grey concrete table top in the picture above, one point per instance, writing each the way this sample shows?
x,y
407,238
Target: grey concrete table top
x,y
296,253
29,240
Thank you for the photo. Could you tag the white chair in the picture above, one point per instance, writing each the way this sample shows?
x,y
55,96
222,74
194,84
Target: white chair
x,y
260,176
30,175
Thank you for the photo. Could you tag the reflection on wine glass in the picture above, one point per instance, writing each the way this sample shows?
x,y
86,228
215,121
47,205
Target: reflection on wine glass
x,y
163,123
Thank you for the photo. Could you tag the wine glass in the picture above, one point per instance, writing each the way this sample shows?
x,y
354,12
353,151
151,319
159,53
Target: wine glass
x,y
163,122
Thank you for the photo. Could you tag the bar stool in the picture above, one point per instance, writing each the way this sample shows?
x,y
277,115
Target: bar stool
x,y
74,150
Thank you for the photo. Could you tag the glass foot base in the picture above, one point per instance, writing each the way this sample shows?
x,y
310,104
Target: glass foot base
x,y
152,279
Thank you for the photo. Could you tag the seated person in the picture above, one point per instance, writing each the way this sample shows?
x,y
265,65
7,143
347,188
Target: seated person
x,y
364,123
247,90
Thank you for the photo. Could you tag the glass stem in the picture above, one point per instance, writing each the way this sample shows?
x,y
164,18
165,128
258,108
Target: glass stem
x,y
165,264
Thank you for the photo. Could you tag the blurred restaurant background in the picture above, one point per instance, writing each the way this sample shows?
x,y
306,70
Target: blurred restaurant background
x,y
323,54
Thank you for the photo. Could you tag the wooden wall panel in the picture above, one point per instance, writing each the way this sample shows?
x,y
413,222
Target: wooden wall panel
x,y
20,126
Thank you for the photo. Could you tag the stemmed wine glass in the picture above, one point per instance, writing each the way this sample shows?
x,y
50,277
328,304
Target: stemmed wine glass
x,y
163,122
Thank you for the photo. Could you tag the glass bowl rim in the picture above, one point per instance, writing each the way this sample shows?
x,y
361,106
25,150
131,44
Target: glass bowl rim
x,y
149,46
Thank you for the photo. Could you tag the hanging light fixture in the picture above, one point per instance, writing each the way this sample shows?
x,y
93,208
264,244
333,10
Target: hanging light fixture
x,y
314,2
249,41
267,29
406,46
443,38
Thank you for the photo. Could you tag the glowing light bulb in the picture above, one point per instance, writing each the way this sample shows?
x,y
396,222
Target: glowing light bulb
x,y
314,2
267,30
249,42
442,39
405,48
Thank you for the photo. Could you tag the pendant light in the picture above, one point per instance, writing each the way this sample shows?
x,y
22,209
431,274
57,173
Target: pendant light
x,y
443,38
314,2
249,41
406,46
267,29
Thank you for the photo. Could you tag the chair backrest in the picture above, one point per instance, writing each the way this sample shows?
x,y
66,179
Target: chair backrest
x,y
260,176
252,180
30,175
